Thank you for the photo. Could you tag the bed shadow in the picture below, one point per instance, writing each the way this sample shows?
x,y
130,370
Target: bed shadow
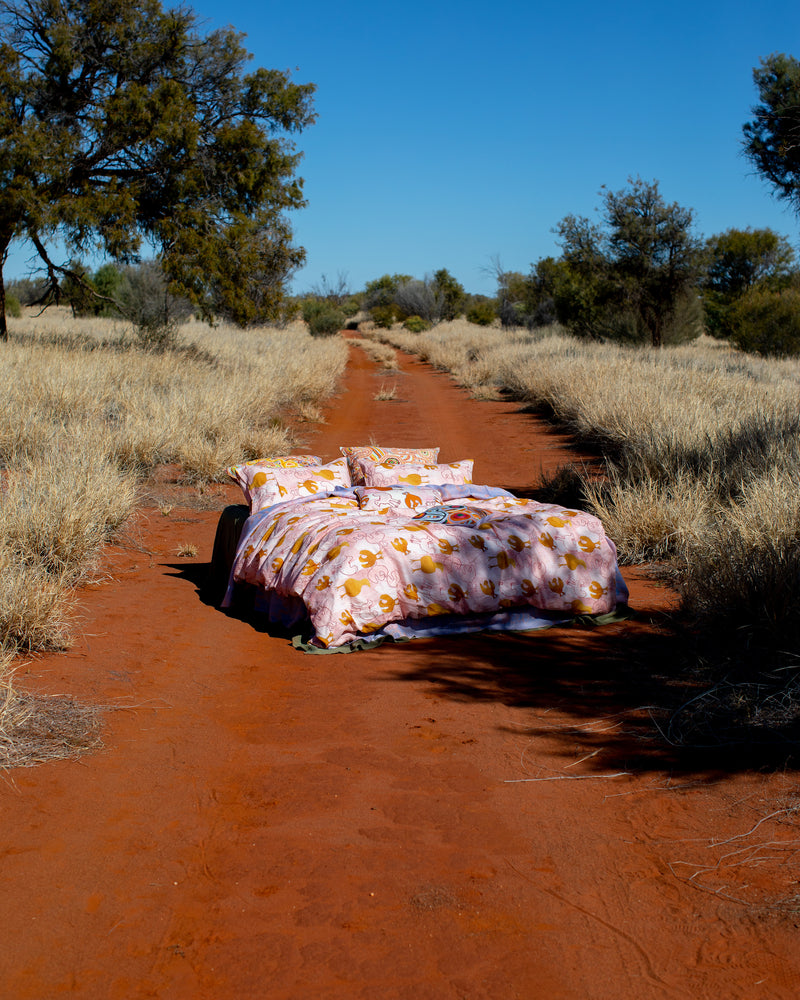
x,y
648,695
210,589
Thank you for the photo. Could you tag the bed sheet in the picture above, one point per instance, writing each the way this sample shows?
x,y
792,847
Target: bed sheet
x,y
356,573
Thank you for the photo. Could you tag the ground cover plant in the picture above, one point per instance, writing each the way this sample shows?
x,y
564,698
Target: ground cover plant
x,y
700,446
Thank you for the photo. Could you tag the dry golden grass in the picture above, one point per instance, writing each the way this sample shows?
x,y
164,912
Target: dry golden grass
x,y
35,608
386,392
223,395
38,728
380,353
702,450
88,412
59,508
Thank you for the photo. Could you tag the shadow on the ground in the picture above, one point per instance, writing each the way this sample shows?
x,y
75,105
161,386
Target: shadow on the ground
x,y
636,690
644,693
211,590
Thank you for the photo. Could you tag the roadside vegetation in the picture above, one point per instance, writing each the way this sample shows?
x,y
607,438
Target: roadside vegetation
x,y
89,413
700,457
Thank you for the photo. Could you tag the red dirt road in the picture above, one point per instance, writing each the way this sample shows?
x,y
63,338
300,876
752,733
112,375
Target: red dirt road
x,y
480,818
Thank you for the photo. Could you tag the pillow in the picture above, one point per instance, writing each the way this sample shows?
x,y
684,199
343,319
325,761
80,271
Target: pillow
x,y
412,474
306,482
459,515
374,454
259,470
398,498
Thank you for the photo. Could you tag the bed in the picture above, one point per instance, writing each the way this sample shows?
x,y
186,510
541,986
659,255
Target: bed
x,y
390,543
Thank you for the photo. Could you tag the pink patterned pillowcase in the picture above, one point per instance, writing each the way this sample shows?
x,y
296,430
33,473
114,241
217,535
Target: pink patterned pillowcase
x,y
380,499
307,482
372,453
255,473
413,474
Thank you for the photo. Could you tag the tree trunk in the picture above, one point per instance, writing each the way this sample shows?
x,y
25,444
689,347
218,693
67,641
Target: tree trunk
x,y
5,242
3,327
657,333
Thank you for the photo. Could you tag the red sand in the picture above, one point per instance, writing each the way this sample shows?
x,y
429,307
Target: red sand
x,y
482,817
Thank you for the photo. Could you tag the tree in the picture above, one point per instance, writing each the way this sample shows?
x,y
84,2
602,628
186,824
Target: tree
x,y
772,139
642,259
452,293
120,123
379,298
737,261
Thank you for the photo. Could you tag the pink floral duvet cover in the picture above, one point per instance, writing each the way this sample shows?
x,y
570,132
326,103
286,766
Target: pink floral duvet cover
x,y
357,571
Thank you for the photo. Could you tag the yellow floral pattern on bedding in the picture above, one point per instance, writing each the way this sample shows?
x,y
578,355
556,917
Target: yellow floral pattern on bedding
x,y
356,571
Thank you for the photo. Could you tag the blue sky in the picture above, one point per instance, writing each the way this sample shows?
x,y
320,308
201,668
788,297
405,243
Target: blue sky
x,y
451,134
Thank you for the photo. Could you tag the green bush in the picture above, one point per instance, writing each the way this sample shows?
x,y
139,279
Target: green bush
x,y
416,324
482,313
384,316
767,322
13,308
323,319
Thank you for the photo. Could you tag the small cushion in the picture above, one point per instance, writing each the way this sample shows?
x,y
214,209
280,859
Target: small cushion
x,y
373,453
414,474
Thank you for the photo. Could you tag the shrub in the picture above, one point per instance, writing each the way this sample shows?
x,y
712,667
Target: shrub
x,y
766,322
323,318
420,299
154,311
13,308
384,316
416,324
482,313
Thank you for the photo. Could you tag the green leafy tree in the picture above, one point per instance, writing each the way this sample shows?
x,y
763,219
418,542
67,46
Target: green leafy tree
x,y
452,293
379,298
121,123
654,253
512,296
767,322
642,260
111,285
737,261
772,138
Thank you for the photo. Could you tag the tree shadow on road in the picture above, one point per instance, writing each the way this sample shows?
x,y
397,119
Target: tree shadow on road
x,y
645,693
